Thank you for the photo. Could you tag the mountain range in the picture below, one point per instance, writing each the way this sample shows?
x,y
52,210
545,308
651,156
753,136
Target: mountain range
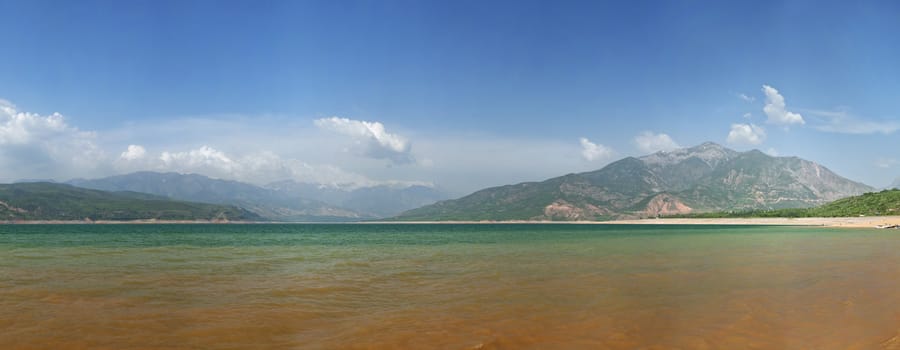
x,y
704,178
282,201
376,201
701,179
53,201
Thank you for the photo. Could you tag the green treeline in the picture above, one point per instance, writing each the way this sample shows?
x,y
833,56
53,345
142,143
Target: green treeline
x,y
886,202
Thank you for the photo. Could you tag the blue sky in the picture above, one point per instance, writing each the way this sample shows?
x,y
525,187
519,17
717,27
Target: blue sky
x,y
466,94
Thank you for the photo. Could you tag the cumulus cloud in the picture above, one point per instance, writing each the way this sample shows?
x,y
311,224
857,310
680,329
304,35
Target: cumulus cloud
x,y
134,152
776,111
34,145
372,138
648,142
255,167
845,123
591,151
204,157
746,134
19,128
772,152
746,98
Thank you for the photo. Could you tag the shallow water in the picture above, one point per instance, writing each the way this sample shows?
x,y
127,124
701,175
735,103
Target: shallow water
x,y
447,287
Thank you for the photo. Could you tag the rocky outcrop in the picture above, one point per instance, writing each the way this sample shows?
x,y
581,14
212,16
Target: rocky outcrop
x,y
665,204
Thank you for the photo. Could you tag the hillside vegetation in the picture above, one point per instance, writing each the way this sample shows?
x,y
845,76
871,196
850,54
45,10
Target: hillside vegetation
x,y
51,201
886,202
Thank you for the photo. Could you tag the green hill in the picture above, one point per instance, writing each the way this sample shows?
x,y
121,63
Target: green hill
x,y
886,202
51,201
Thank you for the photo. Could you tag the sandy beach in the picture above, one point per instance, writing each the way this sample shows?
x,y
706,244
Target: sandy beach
x,y
850,222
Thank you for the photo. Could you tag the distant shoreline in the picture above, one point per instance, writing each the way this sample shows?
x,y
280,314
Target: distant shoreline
x,y
848,222
113,222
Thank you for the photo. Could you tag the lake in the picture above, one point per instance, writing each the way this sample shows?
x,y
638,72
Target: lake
x,y
447,286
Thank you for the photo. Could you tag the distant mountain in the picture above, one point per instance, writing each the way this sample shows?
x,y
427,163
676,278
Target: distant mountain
x,y
895,184
20,181
378,201
268,203
51,201
704,178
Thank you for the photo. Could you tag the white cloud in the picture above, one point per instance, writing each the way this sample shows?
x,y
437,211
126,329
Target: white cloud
x,y
845,123
748,115
19,128
257,149
648,142
746,134
772,152
35,146
204,157
134,152
775,109
746,98
591,151
257,167
886,163
374,140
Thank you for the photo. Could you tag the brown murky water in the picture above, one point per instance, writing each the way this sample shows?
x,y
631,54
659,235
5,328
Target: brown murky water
x,y
447,287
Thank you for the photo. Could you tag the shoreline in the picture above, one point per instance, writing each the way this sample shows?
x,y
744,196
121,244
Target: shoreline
x,y
846,222
126,222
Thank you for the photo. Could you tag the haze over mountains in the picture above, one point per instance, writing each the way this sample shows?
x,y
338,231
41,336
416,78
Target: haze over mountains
x,y
281,201
376,201
707,177
895,184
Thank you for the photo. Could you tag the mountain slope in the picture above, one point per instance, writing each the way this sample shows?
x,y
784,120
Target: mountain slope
x,y
50,201
267,203
707,177
885,202
379,201
895,184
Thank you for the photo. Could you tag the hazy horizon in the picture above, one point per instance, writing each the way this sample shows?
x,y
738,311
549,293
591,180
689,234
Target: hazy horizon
x,y
462,95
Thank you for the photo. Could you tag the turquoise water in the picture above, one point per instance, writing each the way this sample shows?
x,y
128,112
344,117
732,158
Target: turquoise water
x,y
447,286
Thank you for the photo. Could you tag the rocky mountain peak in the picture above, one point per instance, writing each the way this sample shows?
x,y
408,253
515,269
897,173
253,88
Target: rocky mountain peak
x,y
709,152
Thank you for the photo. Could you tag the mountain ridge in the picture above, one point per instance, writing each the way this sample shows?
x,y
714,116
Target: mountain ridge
x,y
377,201
706,177
199,188
279,201
54,201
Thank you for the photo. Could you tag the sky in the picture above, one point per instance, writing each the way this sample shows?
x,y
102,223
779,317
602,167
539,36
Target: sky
x,y
460,95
